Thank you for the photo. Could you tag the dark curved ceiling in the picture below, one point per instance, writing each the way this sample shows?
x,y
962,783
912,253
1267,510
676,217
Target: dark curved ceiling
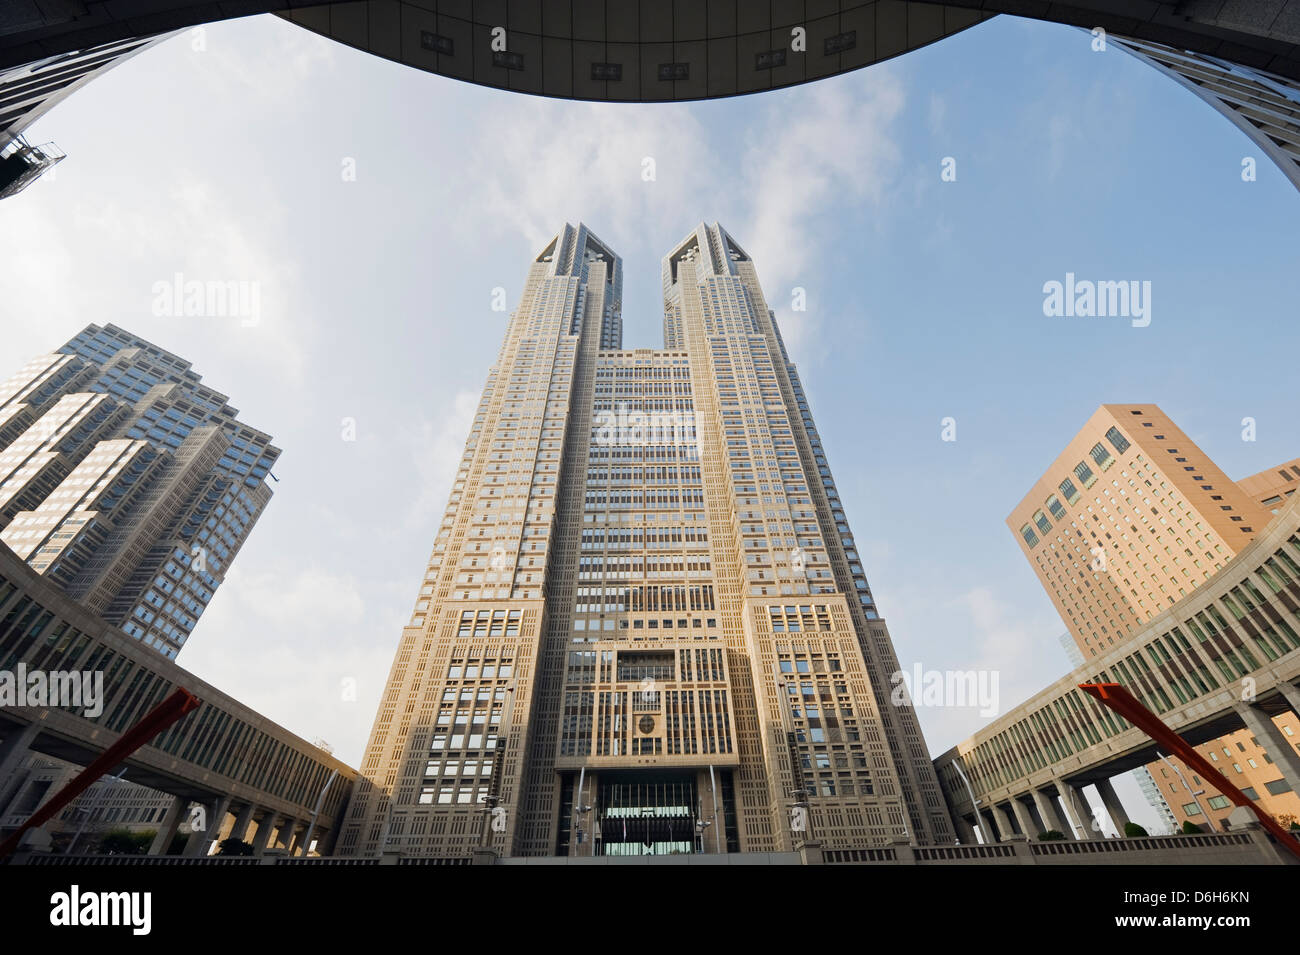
x,y
647,50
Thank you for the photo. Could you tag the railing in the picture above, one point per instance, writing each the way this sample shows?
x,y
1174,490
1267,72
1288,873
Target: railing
x,y
952,853
1140,844
839,856
43,859
327,861
460,860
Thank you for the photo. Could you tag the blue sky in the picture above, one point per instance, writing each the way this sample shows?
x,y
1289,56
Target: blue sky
x,y
219,156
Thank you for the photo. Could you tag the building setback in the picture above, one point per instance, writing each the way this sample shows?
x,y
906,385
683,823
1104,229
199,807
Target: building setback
x,y
1131,518
645,586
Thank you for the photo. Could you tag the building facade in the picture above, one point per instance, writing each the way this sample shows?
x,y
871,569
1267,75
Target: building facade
x,y
128,481
1130,519
644,627
1271,489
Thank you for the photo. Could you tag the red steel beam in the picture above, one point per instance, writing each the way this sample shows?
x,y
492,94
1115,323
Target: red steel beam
x,y
180,702
1119,699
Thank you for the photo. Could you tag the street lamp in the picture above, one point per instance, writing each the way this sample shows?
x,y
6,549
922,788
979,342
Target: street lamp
x,y
975,803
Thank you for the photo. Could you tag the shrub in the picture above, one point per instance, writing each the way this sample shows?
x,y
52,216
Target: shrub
x,y
1190,828
124,842
1133,831
1051,835
234,847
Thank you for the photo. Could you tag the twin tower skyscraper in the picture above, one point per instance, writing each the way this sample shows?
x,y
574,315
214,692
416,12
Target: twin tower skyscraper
x,y
644,626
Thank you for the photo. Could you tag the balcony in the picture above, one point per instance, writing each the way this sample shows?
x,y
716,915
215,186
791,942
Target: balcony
x,y
21,165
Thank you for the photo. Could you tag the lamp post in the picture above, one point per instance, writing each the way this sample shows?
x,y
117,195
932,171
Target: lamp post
x,y
975,803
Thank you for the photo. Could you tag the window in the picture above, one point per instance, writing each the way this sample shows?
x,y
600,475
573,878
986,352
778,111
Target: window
x,y
1220,802
1028,534
1084,474
1101,455
1043,523
1054,506
1191,809
1117,440
1068,491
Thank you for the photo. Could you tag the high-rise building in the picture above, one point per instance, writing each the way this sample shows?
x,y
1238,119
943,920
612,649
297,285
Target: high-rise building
x,y
644,626
127,481
1131,518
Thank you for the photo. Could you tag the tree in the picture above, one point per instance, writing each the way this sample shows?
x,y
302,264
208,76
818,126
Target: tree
x,y
1133,831
1051,835
1190,828
124,842
234,847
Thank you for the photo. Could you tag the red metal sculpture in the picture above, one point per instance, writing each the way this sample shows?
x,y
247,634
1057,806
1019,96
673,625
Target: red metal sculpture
x,y
180,702
1130,707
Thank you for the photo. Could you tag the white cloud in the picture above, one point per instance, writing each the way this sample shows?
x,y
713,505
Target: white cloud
x,y
813,152
281,640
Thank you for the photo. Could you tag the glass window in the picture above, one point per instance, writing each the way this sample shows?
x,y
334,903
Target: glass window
x,y
1069,491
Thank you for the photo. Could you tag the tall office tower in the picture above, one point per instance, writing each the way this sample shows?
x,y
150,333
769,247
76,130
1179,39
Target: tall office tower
x,y
127,481
645,587
1263,105
1127,521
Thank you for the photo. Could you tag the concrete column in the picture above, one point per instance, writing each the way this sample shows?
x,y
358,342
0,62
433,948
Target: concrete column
x,y
285,835
1037,823
240,829
264,827
167,829
1048,813
965,831
1110,799
1291,694
1078,813
16,747
200,840
1274,741
1003,819
1023,819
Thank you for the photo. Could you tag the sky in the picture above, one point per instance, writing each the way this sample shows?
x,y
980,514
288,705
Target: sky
x,y
377,209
